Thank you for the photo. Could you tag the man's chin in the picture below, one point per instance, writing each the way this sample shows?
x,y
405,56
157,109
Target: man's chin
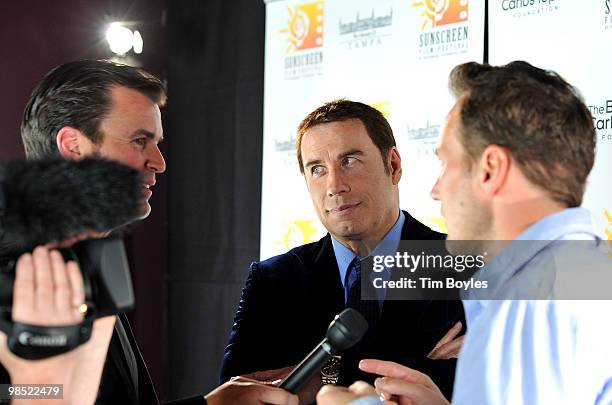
x,y
346,231
145,210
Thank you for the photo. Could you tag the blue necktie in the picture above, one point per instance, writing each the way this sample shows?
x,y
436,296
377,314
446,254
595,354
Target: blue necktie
x,y
367,307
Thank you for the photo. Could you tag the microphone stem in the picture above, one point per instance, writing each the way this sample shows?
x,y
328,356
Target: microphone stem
x,y
308,367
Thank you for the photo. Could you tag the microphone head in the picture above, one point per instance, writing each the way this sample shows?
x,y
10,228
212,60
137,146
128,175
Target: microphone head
x,y
346,329
48,200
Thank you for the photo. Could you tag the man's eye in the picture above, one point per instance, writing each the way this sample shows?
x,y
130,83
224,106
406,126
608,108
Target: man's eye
x,y
140,141
316,170
349,160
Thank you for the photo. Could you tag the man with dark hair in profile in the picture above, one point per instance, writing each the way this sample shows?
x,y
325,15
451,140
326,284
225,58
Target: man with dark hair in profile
x,y
101,108
95,107
516,151
347,154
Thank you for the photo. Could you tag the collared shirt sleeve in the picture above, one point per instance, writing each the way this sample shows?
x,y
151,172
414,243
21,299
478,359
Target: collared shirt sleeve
x,y
537,352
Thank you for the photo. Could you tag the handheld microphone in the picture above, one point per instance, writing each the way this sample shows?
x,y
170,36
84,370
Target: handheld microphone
x,y
343,332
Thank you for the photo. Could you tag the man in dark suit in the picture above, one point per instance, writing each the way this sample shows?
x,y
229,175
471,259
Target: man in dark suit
x,y
96,107
89,107
347,154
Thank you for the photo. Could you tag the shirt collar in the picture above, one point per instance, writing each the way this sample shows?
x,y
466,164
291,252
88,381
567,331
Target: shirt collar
x,y
344,255
570,223
555,226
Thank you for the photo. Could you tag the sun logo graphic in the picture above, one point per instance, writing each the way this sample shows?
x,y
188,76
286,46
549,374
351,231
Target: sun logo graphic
x,y
304,27
608,230
384,107
442,12
297,232
438,223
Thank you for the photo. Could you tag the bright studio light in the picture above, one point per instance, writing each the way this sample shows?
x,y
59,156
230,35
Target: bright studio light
x,y
137,42
121,39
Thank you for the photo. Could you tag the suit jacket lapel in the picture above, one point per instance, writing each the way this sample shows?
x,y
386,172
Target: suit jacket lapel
x,y
322,272
412,230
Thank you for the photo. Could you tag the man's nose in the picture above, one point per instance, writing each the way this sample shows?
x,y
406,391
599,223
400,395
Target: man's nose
x,y
336,182
155,160
435,191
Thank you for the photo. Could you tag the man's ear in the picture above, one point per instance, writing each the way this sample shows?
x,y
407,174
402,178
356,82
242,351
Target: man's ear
x,y
494,169
72,143
395,165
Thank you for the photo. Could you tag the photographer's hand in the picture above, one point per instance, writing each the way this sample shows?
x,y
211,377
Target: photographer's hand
x,y
87,376
48,292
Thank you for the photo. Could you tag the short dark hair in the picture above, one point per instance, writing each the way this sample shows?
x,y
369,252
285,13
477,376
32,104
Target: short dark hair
x,y
540,118
375,123
77,94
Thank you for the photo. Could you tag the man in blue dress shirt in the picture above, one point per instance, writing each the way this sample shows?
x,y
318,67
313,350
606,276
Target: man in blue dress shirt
x,y
516,151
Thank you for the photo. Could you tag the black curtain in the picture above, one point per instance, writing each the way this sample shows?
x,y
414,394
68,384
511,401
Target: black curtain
x,y
214,124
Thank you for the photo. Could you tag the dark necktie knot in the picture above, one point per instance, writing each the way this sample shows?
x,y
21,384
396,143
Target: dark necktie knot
x,y
354,273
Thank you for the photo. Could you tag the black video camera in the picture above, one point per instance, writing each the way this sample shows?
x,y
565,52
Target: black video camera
x,y
54,200
108,290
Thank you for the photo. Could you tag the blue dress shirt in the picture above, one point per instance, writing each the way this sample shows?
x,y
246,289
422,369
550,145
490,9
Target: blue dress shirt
x,y
520,351
344,255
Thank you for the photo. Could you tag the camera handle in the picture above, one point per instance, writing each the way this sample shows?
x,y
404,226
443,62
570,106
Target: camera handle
x,y
33,342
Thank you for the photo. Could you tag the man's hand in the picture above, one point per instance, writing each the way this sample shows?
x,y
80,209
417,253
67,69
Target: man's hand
x,y
48,292
92,355
332,395
244,391
272,376
307,394
448,347
403,385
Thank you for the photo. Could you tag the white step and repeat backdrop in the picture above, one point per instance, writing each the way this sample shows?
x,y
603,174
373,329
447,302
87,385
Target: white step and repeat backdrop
x,y
574,38
396,55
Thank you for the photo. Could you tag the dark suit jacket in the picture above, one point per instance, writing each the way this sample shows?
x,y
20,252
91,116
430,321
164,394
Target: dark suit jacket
x,y
289,300
125,373
125,379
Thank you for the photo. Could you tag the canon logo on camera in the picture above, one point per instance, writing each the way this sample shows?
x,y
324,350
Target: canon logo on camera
x,y
29,339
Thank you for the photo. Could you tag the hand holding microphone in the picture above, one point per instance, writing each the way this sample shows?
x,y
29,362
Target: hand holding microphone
x,y
343,332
